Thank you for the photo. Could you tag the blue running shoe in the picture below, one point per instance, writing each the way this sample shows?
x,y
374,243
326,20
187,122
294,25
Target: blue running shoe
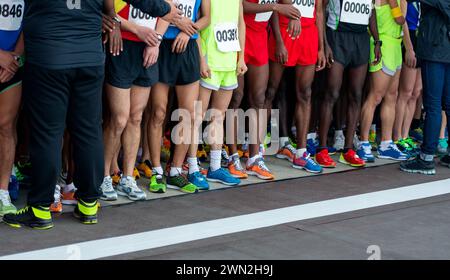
x,y
392,152
307,163
311,146
199,180
222,175
416,134
365,152
331,150
13,188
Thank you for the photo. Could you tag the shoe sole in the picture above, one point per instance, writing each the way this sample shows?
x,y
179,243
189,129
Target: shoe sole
x,y
173,187
351,164
239,177
428,172
156,191
308,170
222,182
109,198
69,202
33,226
87,221
284,157
391,158
444,164
260,176
130,198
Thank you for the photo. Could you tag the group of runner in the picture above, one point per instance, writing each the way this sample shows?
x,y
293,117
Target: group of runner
x,y
326,65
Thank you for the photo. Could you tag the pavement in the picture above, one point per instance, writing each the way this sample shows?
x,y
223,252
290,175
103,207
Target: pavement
x,y
264,221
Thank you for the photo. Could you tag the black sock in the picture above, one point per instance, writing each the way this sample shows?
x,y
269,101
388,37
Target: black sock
x,y
345,150
415,124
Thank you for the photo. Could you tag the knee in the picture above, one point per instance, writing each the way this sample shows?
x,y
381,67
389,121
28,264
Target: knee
x,y
259,99
270,93
135,119
354,98
118,123
236,100
304,95
158,115
332,96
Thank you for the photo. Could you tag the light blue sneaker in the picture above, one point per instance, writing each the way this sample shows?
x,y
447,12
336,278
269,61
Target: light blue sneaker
x,y
128,187
199,180
392,152
222,175
365,152
307,163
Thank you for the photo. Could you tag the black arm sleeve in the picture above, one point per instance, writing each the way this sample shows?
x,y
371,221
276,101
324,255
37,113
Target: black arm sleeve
x,y
442,6
155,8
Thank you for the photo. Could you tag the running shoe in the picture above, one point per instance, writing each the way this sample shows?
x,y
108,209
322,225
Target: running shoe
x,y
287,152
331,150
236,170
35,217
259,169
6,206
222,175
108,192
136,174
339,142
403,146
56,206
13,188
145,168
199,180
416,134
116,177
128,187
307,163
373,139
311,146
292,142
157,184
86,212
392,152
351,158
442,146
201,153
445,161
225,156
323,159
267,140
20,177
68,197
181,183
418,166
364,152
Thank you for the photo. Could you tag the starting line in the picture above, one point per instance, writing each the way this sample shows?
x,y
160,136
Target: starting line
x,y
186,233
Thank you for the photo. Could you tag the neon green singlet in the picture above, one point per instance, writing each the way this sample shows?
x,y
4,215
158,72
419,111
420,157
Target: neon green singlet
x,y
222,11
386,23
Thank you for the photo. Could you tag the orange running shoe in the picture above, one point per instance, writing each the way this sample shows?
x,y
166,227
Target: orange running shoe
x,y
136,174
287,152
260,170
236,170
145,169
56,206
352,159
324,159
116,177
68,198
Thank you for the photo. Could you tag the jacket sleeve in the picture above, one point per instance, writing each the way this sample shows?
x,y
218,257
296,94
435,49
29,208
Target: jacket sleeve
x,y
442,6
155,8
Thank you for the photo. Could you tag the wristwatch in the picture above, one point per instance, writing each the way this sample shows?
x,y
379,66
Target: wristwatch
x,y
160,37
378,42
117,19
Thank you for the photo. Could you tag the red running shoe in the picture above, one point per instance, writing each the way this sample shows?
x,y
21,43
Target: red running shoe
x,y
324,159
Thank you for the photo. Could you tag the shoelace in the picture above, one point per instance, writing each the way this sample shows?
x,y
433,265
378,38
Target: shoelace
x,y
23,210
107,185
225,154
309,159
367,149
291,149
237,164
262,165
5,199
395,148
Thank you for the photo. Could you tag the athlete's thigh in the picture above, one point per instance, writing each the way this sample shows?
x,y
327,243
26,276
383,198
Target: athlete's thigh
x,y
334,77
220,99
379,83
357,78
139,99
118,100
276,71
159,96
257,78
187,95
9,104
408,78
304,76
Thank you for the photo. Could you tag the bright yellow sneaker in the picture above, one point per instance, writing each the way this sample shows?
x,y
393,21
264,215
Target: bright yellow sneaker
x,y
136,174
145,169
116,177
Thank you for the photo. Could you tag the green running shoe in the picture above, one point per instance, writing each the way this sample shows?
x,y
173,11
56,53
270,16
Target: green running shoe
x,y
6,206
35,217
292,142
157,184
86,212
180,182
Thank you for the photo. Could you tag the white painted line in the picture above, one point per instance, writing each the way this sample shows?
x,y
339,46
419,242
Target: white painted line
x,y
175,235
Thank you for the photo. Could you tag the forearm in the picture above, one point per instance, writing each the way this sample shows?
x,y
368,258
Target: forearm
x,y
255,8
373,25
205,18
162,26
108,8
155,8
19,49
320,22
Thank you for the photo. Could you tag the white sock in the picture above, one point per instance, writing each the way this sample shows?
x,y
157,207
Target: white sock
x,y
68,188
234,157
251,160
300,152
175,171
338,133
385,144
158,170
284,141
6,192
216,157
193,165
312,135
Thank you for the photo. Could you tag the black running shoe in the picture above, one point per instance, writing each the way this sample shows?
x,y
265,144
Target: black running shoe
x,y
445,160
35,217
418,165
86,212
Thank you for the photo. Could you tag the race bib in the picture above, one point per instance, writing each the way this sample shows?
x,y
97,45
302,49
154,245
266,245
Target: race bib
x,y
187,7
306,7
356,11
264,17
11,14
138,17
227,37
